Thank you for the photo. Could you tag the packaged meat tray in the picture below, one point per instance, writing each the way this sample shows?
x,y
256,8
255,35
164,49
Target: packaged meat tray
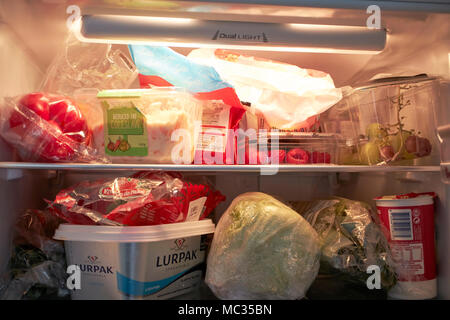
x,y
148,126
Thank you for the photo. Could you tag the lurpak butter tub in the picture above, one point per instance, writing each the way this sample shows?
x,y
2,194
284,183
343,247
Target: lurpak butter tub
x,y
144,262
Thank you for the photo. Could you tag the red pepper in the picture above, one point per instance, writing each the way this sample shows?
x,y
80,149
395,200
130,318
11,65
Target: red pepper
x,y
36,102
62,129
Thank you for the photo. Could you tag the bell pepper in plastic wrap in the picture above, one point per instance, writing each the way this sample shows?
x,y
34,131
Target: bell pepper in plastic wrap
x,y
146,198
47,128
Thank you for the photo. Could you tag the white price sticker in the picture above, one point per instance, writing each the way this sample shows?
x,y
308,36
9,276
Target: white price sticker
x,y
196,208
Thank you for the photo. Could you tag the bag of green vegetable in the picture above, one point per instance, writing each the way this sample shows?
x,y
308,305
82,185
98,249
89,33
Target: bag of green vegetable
x,y
262,249
37,268
350,240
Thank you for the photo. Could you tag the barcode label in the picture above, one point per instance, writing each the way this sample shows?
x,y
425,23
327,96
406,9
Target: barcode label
x,y
400,223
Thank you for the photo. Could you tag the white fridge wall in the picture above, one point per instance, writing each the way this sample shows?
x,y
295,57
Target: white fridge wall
x,y
19,74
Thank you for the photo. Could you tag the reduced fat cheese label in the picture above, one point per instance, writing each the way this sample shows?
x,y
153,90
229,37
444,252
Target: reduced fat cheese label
x,y
125,129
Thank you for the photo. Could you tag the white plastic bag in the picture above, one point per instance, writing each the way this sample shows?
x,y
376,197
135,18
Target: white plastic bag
x,y
262,249
286,94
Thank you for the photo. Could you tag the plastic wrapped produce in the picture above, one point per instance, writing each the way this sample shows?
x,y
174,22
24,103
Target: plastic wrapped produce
x,y
350,240
262,249
37,269
83,65
47,128
146,198
386,121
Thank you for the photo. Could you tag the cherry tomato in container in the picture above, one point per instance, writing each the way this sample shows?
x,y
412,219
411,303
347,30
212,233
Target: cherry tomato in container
x,y
281,154
327,157
264,157
297,156
317,157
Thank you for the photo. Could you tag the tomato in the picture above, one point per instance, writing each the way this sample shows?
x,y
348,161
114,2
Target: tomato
x,y
297,156
327,157
317,157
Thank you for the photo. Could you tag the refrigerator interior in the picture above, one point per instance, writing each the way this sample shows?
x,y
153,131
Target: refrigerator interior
x,y
32,32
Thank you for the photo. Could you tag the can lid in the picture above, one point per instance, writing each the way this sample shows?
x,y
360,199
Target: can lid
x,y
406,200
72,232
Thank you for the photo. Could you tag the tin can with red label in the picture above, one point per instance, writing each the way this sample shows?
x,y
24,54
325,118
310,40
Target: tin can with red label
x,y
409,225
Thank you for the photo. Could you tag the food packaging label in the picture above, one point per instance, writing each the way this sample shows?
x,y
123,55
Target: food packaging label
x,y
125,130
409,224
137,270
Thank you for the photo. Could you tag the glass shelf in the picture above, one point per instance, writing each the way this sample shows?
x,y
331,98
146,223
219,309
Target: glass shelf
x,y
213,168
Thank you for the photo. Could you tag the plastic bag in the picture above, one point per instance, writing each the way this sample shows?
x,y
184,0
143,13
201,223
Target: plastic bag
x,y
37,269
350,240
88,65
146,198
262,249
287,95
47,128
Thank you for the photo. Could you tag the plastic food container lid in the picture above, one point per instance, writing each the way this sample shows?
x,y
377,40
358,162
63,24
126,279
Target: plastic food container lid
x,y
406,200
393,81
71,232
138,93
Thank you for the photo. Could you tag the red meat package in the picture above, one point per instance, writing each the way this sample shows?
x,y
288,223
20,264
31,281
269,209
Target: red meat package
x,y
146,198
47,128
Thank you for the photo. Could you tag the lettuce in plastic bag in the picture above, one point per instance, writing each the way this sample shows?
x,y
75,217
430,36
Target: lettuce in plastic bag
x,y
262,249
350,239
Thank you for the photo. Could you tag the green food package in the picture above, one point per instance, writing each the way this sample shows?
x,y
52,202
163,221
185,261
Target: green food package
x,y
262,249
350,239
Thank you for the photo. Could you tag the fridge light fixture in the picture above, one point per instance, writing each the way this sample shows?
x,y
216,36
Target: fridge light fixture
x,y
186,32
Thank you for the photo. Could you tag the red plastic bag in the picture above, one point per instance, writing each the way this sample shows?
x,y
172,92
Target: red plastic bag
x,y
146,198
47,128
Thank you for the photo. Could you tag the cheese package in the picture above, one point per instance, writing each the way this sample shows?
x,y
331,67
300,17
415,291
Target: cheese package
x,y
148,126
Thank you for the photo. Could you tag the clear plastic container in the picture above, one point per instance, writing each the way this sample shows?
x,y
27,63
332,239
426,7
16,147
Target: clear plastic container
x,y
389,121
300,148
148,125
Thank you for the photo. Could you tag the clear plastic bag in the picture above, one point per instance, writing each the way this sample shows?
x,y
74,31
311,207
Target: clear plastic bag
x,y
350,240
88,65
47,128
262,249
37,268
146,198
